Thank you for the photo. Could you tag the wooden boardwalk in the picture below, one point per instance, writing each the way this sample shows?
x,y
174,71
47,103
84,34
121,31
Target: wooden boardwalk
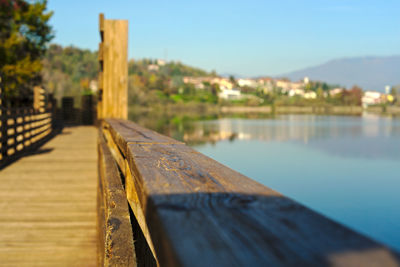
x,y
48,203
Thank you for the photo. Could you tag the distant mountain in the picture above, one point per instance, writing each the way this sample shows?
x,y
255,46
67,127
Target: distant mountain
x,y
371,73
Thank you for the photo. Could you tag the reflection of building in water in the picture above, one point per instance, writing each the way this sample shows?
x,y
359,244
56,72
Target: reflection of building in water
x,y
291,128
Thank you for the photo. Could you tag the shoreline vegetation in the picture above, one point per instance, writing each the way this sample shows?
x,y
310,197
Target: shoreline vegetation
x,y
201,108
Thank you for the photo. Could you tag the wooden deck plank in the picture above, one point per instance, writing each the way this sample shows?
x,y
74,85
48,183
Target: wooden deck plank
x,y
48,204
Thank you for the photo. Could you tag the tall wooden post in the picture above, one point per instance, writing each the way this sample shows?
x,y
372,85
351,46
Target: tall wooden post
x,y
113,76
3,121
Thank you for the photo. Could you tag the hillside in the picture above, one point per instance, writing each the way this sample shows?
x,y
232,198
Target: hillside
x,y
64,68
371,73
67,71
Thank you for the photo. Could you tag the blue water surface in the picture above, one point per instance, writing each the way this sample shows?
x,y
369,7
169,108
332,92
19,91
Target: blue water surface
x,y
347,168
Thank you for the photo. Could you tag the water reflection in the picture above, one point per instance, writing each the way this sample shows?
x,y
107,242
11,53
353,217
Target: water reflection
x,y
196,128
367,136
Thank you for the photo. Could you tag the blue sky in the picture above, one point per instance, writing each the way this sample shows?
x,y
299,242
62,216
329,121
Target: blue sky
x,y
246,38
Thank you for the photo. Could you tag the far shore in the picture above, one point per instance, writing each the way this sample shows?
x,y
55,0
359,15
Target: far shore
x,y
329,110
351,110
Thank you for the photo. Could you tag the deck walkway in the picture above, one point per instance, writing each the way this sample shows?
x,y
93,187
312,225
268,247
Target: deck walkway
x,y
48,203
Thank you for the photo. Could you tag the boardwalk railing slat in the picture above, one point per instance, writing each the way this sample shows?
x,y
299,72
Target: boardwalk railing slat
x,y
115,249
22,129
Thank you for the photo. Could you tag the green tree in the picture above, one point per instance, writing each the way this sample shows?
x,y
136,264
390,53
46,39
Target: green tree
x,y
232,79
215,89
24,33
393,91
65,67
320,93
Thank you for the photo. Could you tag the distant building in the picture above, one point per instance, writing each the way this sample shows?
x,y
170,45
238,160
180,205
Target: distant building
x,y
161,62
310,95
230,94
371,98
306,80
335,91
223,82
153,67
387,89
247,82
294,92
198,82
93,85
286,85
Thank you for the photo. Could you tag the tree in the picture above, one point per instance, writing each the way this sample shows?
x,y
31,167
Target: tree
x,y
24,33
65,67
232,79
393,91
215,89
353,96
320,93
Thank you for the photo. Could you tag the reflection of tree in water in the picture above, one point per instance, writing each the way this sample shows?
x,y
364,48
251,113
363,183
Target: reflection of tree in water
x,y
357,136
178,125
184,125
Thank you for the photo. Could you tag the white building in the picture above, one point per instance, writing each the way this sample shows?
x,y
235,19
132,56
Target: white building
x,y
293,92
247,82
230,94
310,95
161,62
287,86
153,67
371,98
93,85
199,81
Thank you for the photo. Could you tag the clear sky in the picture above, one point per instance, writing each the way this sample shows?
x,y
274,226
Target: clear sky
x,y
246,38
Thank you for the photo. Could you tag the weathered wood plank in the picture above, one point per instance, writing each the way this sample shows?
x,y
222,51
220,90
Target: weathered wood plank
x,y
125,132
201,213
114,101
48,200
115,229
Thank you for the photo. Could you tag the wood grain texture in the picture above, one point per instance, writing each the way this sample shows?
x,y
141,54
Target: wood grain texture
x,y
201,213
114,101
115,230
48,204
126,133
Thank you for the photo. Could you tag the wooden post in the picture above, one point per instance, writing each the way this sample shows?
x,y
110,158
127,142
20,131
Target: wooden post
x,y
38,98
67,107
113,76
87,109
3,120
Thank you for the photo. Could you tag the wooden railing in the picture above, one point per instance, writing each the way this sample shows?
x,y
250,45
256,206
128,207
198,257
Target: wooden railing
x,y
162,203
189,210
22,129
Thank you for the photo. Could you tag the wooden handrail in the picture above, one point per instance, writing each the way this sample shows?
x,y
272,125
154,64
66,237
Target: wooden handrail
x,y
115,230
194,211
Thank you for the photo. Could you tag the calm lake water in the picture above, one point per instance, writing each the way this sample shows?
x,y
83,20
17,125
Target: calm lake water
x,y
345,167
